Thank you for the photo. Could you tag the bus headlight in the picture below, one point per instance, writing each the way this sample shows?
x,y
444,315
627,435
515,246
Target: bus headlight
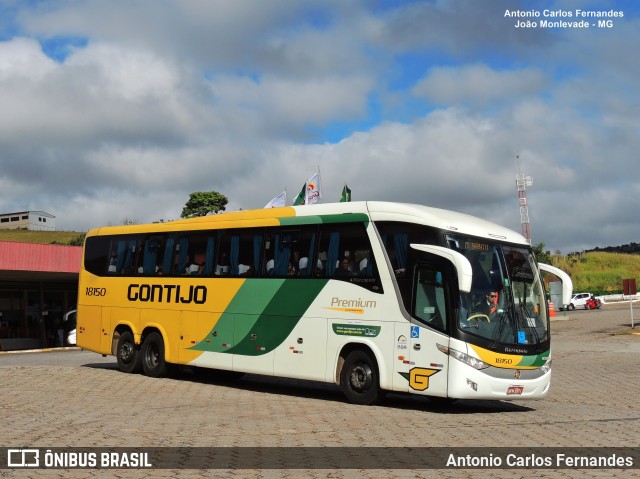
x,y
546,367
468,360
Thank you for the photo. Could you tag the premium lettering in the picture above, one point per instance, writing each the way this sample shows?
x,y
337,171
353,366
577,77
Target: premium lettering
x,y
352,303
167,293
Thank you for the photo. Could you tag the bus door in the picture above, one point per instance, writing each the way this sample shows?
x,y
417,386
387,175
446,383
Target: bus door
x,y
428,373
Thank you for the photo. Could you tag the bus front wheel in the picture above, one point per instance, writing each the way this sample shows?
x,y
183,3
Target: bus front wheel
x,y
128,354
153,363
359,378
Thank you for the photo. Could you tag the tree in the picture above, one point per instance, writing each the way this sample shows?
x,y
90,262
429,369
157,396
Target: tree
x,y
201,203
78,240
542,255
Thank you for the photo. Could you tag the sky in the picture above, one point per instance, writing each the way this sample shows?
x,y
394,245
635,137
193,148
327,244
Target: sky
x,y
114,110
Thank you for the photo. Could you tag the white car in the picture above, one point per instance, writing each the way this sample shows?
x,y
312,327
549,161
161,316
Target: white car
x,y
70,327
71,338
578,300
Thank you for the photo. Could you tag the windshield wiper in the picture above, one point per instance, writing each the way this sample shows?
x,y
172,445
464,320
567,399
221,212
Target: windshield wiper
x,y
504,318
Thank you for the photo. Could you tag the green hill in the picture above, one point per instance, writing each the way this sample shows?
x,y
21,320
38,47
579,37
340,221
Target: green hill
x,y
599,272
42,237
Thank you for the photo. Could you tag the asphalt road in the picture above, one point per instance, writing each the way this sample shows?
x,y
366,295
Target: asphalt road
x,y
76,398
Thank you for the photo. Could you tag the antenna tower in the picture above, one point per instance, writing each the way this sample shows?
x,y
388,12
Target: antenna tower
x,y
522,182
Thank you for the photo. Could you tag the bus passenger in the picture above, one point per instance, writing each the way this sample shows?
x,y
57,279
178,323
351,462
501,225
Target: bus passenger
x,y
222,268
343,270
292,270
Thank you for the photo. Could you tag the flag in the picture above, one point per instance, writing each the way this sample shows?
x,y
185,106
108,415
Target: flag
x,y
313,189
300,199
346,194
278,201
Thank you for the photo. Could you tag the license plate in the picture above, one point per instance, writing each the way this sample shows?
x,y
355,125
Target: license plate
x,y
515,390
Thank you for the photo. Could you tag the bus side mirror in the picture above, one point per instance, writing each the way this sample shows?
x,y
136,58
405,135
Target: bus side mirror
x,y
459,262
567,284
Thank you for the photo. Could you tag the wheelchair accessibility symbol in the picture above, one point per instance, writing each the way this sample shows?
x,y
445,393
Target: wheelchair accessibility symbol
x,y
415,332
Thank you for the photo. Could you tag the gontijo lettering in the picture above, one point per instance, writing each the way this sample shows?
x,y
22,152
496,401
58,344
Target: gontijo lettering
x,y
166,293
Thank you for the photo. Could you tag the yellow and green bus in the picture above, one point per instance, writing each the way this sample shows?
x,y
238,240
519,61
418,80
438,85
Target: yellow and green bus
x,y
372,296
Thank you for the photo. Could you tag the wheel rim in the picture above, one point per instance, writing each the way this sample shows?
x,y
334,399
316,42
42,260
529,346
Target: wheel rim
x,y
126,352
361,377
153,356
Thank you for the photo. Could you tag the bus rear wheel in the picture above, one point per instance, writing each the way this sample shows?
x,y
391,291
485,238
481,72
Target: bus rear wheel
x,y
128,354
359,378
153,363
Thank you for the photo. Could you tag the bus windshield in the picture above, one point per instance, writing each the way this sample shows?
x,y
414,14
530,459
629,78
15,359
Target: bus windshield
x,y
505,309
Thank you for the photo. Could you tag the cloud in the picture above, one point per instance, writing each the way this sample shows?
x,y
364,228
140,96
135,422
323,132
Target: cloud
x,y
22,59
479,86
430,102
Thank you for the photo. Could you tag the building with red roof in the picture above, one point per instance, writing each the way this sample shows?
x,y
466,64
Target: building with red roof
x,y
38,284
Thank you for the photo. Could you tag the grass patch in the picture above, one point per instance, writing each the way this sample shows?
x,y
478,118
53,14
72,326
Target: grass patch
x,y
599,272
41,237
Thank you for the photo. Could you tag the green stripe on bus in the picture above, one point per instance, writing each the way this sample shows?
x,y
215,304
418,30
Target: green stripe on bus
x,y
300,220
248,303
339,218
261,315
279,318
538,360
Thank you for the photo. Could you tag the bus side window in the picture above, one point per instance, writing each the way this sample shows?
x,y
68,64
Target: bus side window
x,y
346,251
182,260
167,258
126,256
306,253
278,250
244,247
138,258
198,254
112,263
96,255
254,258
209,255
430,301
283,257
268,253
152,259
222,261
287,252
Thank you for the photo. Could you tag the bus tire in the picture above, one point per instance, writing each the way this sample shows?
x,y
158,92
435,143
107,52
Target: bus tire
x,y
128,354
359,378
153,362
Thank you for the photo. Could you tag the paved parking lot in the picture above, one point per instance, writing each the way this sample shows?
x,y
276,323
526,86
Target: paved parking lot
x,y
79,399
